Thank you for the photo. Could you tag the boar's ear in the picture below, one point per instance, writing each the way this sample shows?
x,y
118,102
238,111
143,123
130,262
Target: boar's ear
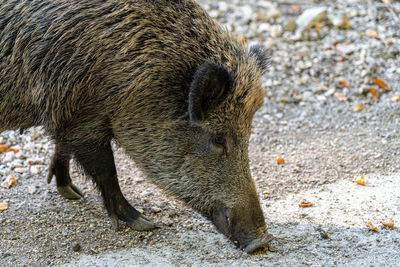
x,y
209,88
260,54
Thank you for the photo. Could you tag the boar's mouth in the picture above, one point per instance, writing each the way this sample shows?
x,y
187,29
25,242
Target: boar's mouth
x,y
245,234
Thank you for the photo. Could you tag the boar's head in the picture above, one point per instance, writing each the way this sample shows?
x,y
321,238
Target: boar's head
x,y
221,108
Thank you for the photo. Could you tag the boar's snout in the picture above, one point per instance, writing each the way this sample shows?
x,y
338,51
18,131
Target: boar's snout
x,y
244,226
258,243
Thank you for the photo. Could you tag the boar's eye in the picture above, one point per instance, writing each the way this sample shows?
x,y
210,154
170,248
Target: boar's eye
x,y
219,141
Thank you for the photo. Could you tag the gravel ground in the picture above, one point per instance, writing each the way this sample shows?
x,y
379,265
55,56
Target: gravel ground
x,y
320,115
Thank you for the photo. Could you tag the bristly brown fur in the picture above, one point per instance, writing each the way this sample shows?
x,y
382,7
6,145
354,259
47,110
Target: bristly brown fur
x,y
90,71
54,59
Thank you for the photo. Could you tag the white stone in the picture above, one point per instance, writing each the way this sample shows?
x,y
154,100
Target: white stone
x,y
9,156
264,27
222,6
155,209
276,31
310,17
247,12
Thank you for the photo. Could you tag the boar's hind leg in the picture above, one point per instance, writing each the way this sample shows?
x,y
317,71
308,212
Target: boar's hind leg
x,y
59,167
98,162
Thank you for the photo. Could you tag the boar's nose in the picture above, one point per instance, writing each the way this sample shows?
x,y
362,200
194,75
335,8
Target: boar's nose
x,y
258,243
248,232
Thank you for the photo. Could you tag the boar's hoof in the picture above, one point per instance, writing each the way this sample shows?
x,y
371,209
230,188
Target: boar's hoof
x,y
70,191
141,224
258,243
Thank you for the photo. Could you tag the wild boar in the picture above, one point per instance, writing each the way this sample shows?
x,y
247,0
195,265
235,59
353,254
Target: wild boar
x,y
161,78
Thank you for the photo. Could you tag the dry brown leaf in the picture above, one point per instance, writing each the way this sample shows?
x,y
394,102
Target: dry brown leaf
x,y
3,147
13,150
318,27
357,108
372,34
340,96
382,84
21,170
374,92
389,224
280,160
342,58
372,227
336,43
296,8
9,182
346,48
359,179
3,206
324,88
305,204
396,98
342,84
390,41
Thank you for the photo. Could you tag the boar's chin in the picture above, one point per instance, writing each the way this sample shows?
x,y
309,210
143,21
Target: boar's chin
x,y
220,218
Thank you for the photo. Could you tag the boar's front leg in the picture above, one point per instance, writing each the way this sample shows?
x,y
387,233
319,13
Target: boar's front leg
x,y
98,162
59,167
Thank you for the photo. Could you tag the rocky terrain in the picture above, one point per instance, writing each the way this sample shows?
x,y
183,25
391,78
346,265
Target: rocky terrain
x,y
332,112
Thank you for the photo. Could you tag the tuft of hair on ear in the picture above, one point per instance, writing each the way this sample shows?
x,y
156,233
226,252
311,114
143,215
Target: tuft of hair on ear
x,y
261,55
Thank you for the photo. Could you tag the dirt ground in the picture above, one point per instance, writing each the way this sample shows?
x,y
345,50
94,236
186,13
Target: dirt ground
x,y
41,228
325,145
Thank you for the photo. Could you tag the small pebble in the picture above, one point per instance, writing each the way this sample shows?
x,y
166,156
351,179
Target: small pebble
x,y
155,209
76,247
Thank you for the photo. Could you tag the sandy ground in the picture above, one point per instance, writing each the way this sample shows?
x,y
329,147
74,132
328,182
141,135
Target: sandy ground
x,y
331,233
325,145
